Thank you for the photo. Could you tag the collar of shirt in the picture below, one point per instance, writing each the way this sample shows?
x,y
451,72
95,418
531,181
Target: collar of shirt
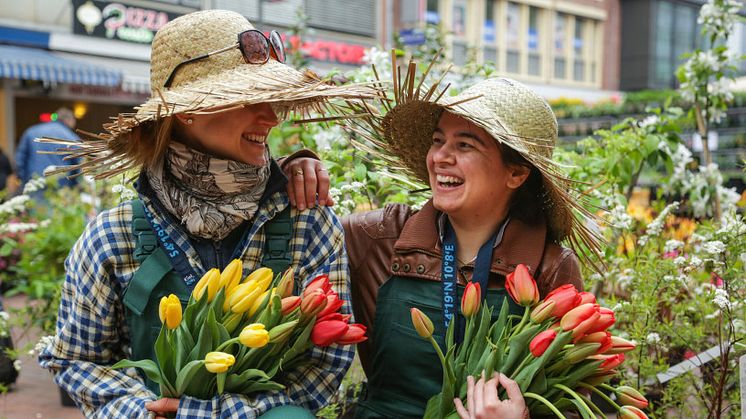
x,y
441,225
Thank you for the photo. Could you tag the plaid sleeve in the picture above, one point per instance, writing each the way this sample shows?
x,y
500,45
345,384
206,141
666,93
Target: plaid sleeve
x,y
318,248
90,327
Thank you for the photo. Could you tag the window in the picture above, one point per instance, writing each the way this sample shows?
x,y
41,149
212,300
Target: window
x,y
560,47
676,32
431,14
578,43
513,58
458,28
489,33
534,56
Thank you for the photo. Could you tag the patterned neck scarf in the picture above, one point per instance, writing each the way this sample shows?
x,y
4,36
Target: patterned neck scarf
x,y
210,196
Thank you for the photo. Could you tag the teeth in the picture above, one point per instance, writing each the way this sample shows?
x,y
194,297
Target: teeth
x,y
254,138
448,179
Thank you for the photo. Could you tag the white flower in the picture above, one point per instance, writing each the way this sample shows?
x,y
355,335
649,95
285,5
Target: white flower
x,y
648,121
672,245
43,343
14,205
4,316
15,228
653,338
714,247
695,262
721,298
619,218
17,364
679,261
656,226
34,185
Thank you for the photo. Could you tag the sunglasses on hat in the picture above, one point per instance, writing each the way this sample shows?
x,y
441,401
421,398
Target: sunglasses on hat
x,y
254,46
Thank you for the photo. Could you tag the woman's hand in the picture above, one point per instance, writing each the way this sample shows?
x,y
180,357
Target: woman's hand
x,y
163,407
307,179
483,401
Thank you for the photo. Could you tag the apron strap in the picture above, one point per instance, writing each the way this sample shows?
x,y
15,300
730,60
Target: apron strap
x,y
278,232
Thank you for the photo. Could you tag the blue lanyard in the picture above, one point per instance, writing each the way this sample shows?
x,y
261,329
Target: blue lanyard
x,y
449,278
177,256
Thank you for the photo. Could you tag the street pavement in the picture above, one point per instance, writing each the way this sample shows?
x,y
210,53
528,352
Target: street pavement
x,y
35,395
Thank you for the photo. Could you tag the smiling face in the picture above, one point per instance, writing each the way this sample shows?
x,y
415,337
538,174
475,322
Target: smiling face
x,y
467,174
238,134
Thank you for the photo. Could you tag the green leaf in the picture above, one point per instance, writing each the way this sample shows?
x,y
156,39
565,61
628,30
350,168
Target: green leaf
x,y
221,382
187,374
263,386
518,348
147,366
164,353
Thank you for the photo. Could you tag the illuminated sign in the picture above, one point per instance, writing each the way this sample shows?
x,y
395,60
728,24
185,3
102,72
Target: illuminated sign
x,y
330,51
118,21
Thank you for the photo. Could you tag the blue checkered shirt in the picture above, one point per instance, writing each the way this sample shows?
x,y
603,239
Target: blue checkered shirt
x,y
92,333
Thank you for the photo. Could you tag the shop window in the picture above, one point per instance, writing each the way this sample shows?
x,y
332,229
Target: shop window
x,y
489,33
458,28
560,47
512,38
534,56
579,49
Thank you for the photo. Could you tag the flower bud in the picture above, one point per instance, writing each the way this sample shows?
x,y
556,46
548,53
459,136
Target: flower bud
x,y
603,338
522,287
231,275
355,334
542,311
620,345
605,320
586,297
581,351
609,361
169,310
630,396
209,282
631,412
326,332
422,324
262,277
321,282
312,304
283,331
289,304
231,322
217,362
254,335
242,297
471,300
285,286
580,319
565,298
333,304
541,342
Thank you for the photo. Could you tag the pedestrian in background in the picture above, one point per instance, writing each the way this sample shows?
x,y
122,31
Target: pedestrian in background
x,y
31,159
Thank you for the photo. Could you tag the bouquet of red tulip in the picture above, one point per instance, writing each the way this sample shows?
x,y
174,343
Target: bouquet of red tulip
x,y
235,335
558,352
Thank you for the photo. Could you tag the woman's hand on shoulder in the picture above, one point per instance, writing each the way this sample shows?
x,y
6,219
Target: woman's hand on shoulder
x,y
307,179
483,402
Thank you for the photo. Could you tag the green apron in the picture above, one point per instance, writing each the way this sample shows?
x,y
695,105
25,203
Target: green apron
x,y
406,369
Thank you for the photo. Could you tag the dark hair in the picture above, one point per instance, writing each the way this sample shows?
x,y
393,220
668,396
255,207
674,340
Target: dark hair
x,y
527,203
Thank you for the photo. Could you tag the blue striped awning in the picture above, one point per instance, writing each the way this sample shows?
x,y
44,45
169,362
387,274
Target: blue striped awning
x,y
37,64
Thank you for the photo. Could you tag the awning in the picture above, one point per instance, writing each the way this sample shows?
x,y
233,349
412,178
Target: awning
x,y
37,64
135,74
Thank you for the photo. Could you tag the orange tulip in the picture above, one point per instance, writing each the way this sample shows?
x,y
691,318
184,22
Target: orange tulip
x,y
289,304
631,412
543,311
609,361
580,319
522,287
565,297
603,338
422,324
605,320
312,304
629,396
620,345
471,300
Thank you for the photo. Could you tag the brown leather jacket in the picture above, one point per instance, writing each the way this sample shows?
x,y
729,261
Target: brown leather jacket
x,y
398,241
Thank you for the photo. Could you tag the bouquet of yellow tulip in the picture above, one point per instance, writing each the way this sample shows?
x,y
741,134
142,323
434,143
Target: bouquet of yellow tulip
x,y
561,345
234,336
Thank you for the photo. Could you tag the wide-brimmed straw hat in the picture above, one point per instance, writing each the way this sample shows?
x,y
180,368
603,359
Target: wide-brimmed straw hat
x,y
513,114
223,80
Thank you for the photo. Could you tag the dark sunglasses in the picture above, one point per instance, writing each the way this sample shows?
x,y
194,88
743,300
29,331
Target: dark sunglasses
x,y
254,46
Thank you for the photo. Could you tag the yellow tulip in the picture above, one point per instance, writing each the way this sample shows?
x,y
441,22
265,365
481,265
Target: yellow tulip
x,y
169,311
243,297
262,276
231,275
217,362
254,335
258,302
209,282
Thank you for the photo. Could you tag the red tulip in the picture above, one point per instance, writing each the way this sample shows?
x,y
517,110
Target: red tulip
x,y
335,316
522,287
603,338
580,319
289,304
629,396
471,300
631,412
565,297
620,345
541,342
586,297
609,361
321,282
542,311
326,332
355,334
311,304
333,303
605,320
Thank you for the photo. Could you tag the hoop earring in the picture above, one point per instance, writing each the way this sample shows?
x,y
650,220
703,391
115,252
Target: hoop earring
x,y
189,121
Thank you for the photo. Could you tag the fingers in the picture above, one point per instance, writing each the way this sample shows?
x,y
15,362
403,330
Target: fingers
x,y
323,189
490,390
478,410
470,393
512,389
163,406
310,183
460,409
299,188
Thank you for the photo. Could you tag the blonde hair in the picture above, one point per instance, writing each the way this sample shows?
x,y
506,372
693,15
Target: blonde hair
x,y
147,143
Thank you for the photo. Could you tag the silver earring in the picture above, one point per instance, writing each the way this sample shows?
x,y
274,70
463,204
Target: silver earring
x,y
190,121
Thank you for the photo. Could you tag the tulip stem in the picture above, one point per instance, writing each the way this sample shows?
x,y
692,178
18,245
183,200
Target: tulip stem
x,y
524,319
546,403
600,393
528,358
226,344
575,396
440,354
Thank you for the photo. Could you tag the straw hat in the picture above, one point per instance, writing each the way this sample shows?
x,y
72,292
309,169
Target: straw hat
x,y
510,112
222,80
